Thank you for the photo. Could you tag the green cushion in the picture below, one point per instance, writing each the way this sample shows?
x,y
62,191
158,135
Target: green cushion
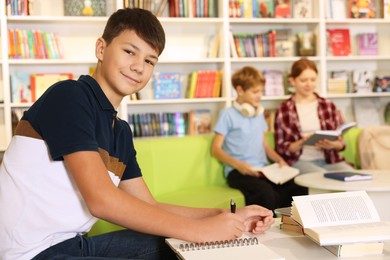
x,y
173,163
351,152
204,197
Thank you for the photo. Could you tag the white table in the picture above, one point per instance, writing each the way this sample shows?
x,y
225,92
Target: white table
x,y
294,246
378,188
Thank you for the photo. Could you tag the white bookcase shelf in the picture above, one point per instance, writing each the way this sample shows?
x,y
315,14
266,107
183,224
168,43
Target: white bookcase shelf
x,y
186,51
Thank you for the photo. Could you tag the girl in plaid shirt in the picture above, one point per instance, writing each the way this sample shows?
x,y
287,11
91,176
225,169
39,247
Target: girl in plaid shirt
x,y
301,115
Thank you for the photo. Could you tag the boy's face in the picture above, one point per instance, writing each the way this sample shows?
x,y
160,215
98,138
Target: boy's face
x,y
251,96
127,64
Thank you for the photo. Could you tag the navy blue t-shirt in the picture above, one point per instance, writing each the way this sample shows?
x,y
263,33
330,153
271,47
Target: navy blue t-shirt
x,y
74,116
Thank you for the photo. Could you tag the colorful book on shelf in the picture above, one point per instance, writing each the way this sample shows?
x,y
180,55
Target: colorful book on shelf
x,y
367,43
282,9
214,43
385,9
85,8
167,85
284,45
274,83
191,84
361,9
340,218
233,50
41,82
199,121
20,87
302,8
337,9
382,84
362,81
245,247
348,176
276,174
306,43
267,9
339,43
338,82
330,135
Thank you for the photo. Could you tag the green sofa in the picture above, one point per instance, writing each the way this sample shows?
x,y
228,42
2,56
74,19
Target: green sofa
x,y
181,170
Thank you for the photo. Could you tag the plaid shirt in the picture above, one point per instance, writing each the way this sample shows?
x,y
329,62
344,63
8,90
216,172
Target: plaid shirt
x,y
288,129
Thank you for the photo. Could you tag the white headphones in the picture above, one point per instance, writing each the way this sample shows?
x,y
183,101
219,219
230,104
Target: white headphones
x,y
248,110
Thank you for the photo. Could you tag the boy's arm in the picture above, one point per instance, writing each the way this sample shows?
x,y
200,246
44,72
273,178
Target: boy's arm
x,y
272,154
106,201
138,188
221,155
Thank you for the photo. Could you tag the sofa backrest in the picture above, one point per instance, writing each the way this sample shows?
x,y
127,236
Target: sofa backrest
x,y
169,163
351,152
172,163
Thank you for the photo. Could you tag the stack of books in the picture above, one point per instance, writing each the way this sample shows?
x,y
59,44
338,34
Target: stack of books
x,y
345,223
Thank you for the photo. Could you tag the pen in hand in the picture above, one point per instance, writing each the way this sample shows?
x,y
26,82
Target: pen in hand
x,y
232,206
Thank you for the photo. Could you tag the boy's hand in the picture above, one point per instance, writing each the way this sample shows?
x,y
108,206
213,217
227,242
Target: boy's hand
x,y
225,226
257,218
246,169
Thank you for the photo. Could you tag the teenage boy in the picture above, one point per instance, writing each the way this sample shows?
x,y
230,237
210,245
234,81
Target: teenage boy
x,y
72,160
240,143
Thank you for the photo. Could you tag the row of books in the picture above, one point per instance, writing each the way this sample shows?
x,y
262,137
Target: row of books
x,y
362,9
17,7
274,43
157,7
27,88
169,85
192,8
204,84
170,123
357,81
270,9
34,44
339,42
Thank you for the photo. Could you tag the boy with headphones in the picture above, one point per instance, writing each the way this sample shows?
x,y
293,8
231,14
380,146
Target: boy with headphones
x,y
240,144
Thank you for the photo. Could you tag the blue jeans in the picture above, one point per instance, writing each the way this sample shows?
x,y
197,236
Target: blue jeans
x,y
123,244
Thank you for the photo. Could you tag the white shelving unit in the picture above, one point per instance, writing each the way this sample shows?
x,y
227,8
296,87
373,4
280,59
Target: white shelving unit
x,y
186,51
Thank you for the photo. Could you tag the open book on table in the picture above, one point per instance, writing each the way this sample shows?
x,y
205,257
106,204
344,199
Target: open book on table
x,y
331,135
277,174
340,218
246,247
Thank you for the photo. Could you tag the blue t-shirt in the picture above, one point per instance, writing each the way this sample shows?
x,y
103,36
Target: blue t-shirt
x,y
243,137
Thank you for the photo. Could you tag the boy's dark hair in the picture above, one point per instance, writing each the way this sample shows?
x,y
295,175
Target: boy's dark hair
x,y
144,23
247,77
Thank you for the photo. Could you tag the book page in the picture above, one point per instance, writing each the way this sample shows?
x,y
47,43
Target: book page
x,y
331,209
277,174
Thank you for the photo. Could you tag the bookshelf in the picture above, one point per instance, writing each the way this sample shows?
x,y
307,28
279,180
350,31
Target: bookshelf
x,y
186,51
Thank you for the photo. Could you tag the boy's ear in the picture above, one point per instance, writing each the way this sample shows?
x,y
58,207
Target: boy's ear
x,y
99,48
239,90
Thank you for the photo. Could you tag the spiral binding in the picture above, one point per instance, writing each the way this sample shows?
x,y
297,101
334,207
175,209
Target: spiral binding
x,y
219,244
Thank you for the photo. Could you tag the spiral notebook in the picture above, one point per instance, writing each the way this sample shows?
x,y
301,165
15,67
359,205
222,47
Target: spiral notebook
x,y
242,248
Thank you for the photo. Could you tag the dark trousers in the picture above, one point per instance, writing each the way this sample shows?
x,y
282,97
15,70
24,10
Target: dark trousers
x,y
261,191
